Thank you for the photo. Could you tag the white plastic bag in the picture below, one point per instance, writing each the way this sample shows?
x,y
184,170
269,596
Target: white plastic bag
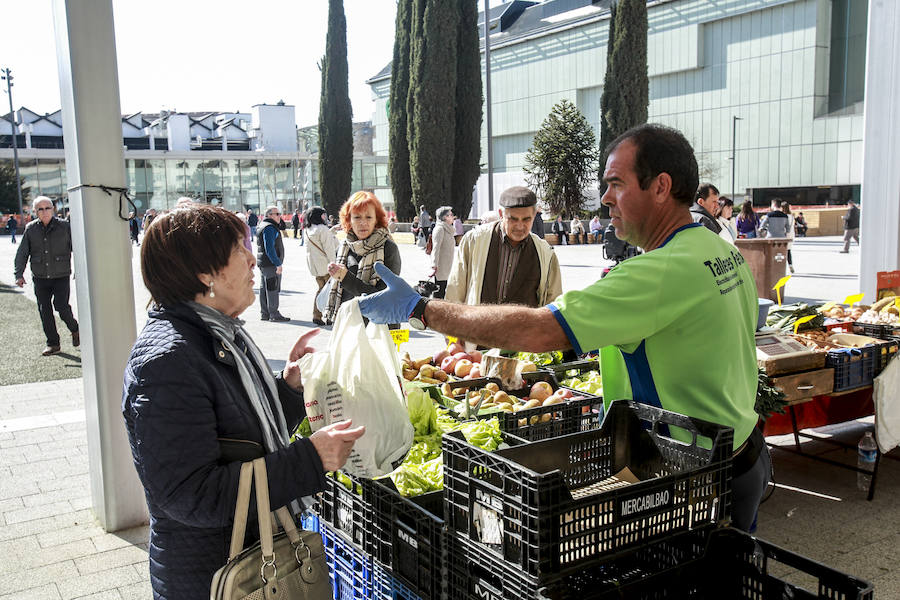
x,y
358,378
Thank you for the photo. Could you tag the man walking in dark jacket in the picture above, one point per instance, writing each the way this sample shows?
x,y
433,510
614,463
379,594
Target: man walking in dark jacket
x,y
269,257
705,207
47,241
851,226
12,225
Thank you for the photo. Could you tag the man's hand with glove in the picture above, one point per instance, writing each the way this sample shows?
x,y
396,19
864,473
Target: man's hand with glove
x,y
392,305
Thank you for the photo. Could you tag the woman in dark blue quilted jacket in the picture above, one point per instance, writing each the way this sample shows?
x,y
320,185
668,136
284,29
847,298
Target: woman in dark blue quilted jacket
x,y
199,398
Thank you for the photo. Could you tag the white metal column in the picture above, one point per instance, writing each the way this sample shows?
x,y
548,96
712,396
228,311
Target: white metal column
x,y
92,132
880,222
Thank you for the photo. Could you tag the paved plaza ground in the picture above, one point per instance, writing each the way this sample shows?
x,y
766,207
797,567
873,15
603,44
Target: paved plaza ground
x,y
51,547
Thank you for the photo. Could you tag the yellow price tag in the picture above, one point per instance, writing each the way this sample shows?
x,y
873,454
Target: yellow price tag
x,y
400,336
853,299
451,339
827,306
780,285
803,320
897,301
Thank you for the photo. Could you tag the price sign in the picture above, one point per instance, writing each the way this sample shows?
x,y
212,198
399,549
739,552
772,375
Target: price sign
x,y
451,339
853,299
803,320
827,306
897,301
780,285
400,336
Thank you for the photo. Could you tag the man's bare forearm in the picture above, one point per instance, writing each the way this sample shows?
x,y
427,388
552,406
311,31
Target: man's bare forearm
x,y
498,325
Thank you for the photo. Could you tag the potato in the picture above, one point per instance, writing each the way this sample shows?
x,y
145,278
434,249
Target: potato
x,y
446,389
533,403
546,418
553,400
492,387
502,397
440,375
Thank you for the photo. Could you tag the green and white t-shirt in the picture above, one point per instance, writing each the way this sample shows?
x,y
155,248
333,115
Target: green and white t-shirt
x,y
676,329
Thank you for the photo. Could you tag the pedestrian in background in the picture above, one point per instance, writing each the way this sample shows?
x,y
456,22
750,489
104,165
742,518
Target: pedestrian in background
x,y
11,226
596,228
578,230
726,210
252,222
537,227
851,226
458,230
133,228
270,258
706,207
320,252
148,218
425,221
47,243
786,209
443,248
295,222
747,224
561,230
775,222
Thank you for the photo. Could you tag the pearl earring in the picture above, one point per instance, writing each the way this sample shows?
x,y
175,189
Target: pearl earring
x,y
212,294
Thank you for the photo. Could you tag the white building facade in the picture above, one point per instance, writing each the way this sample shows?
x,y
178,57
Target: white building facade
x,y
786,77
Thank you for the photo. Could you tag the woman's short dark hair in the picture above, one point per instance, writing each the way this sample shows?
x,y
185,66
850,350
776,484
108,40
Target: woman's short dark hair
x,y
661,149
315,216
183,243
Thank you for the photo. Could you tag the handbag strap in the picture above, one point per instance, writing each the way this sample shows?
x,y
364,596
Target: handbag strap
x,y
242,507
268,525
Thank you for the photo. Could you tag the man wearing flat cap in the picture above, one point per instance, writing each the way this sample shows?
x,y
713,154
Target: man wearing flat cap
x,y
504,262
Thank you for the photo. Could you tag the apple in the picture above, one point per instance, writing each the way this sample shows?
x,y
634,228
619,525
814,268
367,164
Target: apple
x,y
563,393
476,356
455,347
476,370
541,391
462,368
439,356
448,364
463,355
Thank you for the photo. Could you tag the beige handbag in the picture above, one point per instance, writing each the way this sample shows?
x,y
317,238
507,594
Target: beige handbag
x,y
290,564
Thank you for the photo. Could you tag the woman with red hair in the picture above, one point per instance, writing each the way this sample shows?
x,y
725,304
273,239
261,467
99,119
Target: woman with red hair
x,y
368,242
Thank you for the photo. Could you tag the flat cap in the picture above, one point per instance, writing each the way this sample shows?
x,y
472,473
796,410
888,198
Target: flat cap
x,y
517,197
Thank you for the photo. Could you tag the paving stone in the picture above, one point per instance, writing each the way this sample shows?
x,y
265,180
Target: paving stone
x,y
81,502
11,504
43,592
14,487
127,555
25,579
60,495
110,579
41,469
81,480
136,591
36,512
68,534
105,595
18,455
34,527
13,551
48,556
136,536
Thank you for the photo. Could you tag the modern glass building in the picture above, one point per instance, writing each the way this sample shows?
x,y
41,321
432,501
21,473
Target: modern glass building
x,y
769,92
238,160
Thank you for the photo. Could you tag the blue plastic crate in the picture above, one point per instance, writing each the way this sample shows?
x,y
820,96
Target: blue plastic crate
x,y
350,569
309,521
388,587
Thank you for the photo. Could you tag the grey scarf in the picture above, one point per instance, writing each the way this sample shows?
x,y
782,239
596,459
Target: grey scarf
x,y
370,251
256,377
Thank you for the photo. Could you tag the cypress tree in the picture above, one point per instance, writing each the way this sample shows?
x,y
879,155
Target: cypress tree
x,y
335,115
397,118
562,159
467,149
430,105
626,86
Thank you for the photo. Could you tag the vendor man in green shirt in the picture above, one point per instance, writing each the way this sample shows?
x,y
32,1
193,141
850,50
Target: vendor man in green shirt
x,y
655,316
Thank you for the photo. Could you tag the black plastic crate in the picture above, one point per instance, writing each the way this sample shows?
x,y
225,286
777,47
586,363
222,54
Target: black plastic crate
x,y
883,332
476,574
408,536
541,422
386,586
344,510
350,569
546,508
858,367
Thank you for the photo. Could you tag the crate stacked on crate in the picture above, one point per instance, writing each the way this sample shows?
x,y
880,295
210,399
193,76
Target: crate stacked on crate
x,y
541,422
409,541
541,511
342,507
858,367
349,567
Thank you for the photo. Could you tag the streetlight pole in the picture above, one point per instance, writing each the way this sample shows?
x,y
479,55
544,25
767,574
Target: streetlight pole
x,y
7,75
734,120
487,93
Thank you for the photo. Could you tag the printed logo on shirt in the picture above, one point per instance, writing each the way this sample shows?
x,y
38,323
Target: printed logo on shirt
x,y
725,271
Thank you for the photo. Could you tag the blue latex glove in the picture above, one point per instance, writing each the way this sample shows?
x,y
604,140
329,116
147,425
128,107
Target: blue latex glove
x,y
393,305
